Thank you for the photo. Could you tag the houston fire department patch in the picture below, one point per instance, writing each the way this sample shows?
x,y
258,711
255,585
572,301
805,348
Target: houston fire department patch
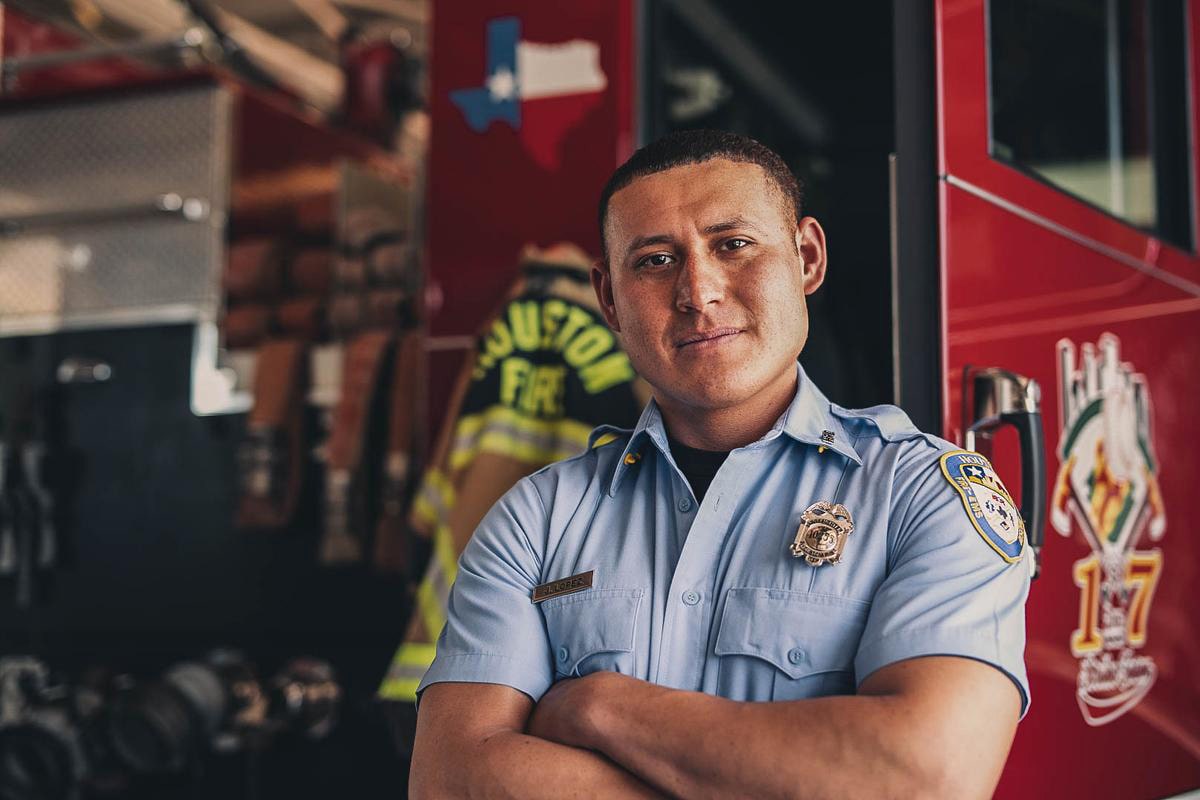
x,y
1107,485
988,503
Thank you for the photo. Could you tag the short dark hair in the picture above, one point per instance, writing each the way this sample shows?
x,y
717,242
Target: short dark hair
x,y
695,147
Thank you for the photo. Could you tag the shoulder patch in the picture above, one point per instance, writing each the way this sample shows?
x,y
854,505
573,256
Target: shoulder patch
x,y
988,504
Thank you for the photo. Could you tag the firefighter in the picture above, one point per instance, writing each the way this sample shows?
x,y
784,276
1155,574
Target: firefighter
x,y
617,616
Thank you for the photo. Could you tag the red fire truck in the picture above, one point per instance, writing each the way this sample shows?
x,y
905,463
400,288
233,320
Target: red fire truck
x,y
1073,262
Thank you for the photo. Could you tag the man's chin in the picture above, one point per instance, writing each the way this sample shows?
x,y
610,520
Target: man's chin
x,y
713,392
719,384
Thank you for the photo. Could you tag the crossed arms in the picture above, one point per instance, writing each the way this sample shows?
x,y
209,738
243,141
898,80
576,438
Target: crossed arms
x,y
934,726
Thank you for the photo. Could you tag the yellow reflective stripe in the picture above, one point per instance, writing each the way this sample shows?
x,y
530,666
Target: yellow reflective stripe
x,y
412,660
503,415
435,499
505,431
409,664
534,441
471,423
506,444
424,512
447,555
432,613
414,654
434,591
401,689
441,485
518,425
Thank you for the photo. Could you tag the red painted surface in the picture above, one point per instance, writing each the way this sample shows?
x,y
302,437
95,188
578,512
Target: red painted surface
x,y
492,192
1012,289
25,36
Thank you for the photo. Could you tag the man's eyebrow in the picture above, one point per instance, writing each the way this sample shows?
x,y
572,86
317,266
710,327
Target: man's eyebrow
x,y
733,223
646,241
730,224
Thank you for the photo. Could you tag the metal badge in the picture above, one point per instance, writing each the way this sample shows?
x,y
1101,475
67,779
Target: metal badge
x,y
824,527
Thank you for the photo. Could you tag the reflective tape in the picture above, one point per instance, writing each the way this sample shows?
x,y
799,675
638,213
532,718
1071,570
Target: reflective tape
x,y
505,432
400,689
404,674
497,430
435,498
433,595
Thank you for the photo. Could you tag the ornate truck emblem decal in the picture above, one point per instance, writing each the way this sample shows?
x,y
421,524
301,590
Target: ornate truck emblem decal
x,y
1107,481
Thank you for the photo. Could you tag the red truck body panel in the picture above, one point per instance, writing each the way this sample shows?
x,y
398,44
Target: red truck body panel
x,y
1100,313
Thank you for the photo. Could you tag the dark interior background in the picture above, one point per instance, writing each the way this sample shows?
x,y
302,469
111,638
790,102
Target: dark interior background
x,y
154,572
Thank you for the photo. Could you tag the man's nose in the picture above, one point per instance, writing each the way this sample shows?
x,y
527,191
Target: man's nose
x,y
700,281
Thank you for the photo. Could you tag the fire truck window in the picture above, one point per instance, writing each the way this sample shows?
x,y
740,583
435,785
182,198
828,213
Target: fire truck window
x,y
1092,98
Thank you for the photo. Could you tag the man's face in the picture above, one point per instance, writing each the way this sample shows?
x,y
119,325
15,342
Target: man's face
x,y
706,280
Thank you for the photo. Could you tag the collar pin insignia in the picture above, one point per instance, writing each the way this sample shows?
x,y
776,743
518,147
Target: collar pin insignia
x,y
824,527
827,437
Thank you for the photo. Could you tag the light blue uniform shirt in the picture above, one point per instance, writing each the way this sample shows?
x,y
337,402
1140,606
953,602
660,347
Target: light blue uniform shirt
x,y
707,596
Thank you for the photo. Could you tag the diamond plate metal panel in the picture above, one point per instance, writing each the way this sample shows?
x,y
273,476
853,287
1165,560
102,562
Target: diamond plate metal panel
x,y
116,157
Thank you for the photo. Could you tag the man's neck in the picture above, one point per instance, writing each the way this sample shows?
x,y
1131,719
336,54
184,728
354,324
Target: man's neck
x,y
728,428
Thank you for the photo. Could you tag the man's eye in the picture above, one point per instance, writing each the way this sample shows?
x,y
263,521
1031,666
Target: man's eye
x,y
655,260
736,244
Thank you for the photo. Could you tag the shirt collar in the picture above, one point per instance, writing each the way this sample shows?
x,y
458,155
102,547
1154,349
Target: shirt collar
x,y
809,419
649,428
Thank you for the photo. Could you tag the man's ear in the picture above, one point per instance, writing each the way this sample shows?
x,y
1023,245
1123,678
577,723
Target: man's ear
x,y
602,284
810,244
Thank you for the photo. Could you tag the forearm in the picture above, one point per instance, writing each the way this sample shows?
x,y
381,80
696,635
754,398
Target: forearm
x,y
930,727
515,765
696,745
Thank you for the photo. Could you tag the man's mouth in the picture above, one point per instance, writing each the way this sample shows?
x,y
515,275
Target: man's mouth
x,y
713,336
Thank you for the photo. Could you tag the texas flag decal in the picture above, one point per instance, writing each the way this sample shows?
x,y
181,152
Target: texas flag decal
x,y
540,90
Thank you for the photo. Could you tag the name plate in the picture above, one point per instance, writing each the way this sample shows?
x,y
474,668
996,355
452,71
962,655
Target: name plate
x,y
575,583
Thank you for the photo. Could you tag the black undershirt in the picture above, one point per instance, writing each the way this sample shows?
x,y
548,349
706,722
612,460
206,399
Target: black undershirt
x,y
698,466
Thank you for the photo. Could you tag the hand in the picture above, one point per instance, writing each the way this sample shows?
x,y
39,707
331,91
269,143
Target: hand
x,y
567,712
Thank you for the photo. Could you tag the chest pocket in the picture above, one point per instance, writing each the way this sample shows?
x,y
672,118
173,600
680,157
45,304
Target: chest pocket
x,y
592,631
776,644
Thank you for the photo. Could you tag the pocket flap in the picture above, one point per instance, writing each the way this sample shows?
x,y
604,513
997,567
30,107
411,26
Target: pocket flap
x,y
590,622
797,632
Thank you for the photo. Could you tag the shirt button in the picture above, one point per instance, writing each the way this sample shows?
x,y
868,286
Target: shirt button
x,y
684,504
691,598
795,655
563,654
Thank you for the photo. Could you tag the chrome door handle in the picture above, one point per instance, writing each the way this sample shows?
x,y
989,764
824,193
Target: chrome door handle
x,y
993,398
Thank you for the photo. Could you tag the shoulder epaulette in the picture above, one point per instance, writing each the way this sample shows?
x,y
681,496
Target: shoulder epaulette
x,y
891,422
605,434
